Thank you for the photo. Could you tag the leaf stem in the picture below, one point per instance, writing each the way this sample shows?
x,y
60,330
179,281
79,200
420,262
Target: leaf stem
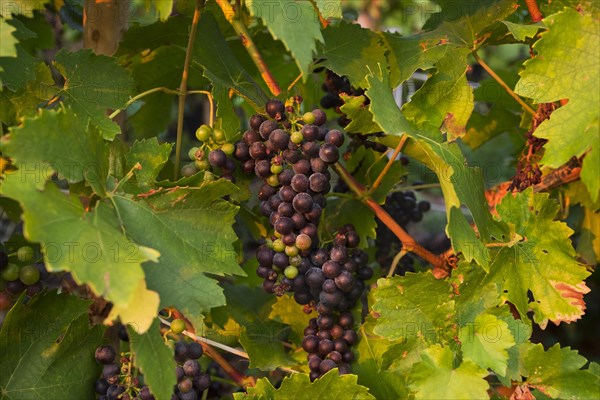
x,y
183,86
211,104
440,269
503,84
139,96
247,42
417,187
534,10
396,261
389,164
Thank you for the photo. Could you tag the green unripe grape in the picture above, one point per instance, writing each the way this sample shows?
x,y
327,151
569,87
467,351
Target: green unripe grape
x,y
309,118
177,326
277,235
297,137
278,245
269,243
209,176
25,254
11,272
192,153
29,274
228,148
219,135
202,165
291,251
295,261
276,168
290,272
273,180
188,170
203,133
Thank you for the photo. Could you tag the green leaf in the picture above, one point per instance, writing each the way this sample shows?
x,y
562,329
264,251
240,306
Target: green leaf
x,y
88,244
295,24
192,229
21,7
41,341
87,158
522,31
155,359
465,241
33,94
225,70
15,72
558,374
151,156
93,84
371,368
435,377
414,305
483,127
446,99
329,8
287,311
573,129
352,51
486,341
163,8
360,116
299,387
543,262
263,343
8,41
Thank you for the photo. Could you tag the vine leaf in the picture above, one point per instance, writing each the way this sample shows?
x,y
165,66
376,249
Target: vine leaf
x,y
295,24
446,99
435,377
87,158
421,300
192,229
360,116
298,386
486,342
557,372
8,41
329,9
88,244
155,359
352,51
573,129
522,31
224,71
543,262
93,84
39,342
262,341
287,311
151,156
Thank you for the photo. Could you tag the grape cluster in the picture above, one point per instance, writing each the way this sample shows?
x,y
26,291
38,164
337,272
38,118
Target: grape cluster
x,y
292,156
20,274
333,86
212,155
404,208
117,381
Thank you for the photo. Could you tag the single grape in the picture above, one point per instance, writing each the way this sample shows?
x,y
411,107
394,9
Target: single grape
x,y
110,372
105,355
219,135
11,272
101,386
217,158
203,133
297,137
188,170
228,148
291,272
335,138
310,344
275,109
303,241
329,153
178,325
191,368
29,274
114,391
185,385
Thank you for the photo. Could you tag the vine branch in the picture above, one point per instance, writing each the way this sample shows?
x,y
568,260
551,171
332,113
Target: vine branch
x,y
183,87
534,10
389,164
515,96
440,269
241,30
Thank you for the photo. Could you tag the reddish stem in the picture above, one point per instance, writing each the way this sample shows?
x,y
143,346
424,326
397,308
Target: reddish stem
x,y
534,10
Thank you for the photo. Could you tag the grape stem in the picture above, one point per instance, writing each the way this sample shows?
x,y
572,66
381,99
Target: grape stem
x,y
395,262
183,86
389,164
534,10
247,42
440,268
503,84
